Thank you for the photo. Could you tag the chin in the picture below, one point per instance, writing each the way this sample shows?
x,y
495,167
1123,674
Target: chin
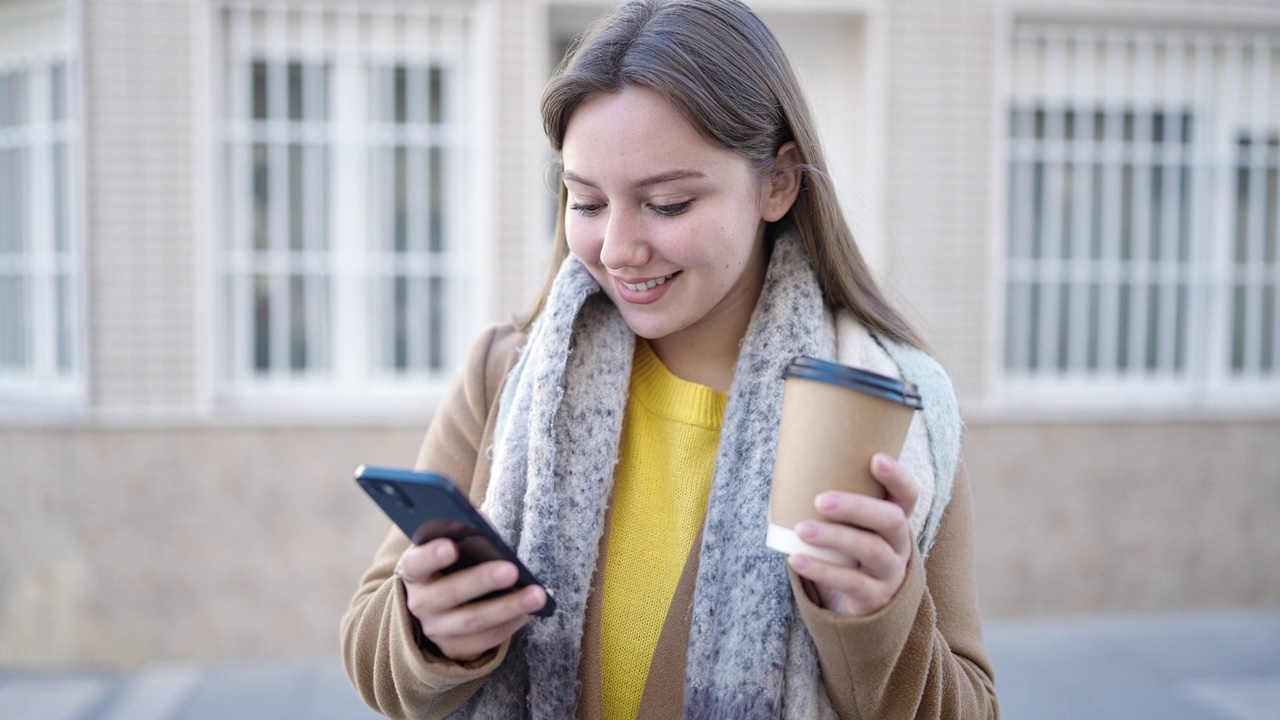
x,y
647,329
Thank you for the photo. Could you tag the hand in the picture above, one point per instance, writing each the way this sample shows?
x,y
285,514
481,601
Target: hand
x,y
874,534
462,629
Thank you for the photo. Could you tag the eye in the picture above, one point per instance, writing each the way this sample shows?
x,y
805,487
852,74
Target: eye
x,y
586,209
672,210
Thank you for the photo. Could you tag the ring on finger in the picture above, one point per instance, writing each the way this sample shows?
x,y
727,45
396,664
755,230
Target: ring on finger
x,y
398,572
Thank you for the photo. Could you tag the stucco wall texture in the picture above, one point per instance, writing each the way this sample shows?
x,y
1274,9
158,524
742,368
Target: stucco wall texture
x,y
124,546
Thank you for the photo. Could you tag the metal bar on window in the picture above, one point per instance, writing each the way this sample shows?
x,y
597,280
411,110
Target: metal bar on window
x,y
279,132
1112,217
1174,155
417,210
426,101
43,316
457,276
1201,222
1023,151
1140,341
315,95
1085,155
1271,324
1049,257
1251,265
1227,101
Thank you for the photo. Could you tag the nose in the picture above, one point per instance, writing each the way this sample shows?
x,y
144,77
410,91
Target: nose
x,y
625,243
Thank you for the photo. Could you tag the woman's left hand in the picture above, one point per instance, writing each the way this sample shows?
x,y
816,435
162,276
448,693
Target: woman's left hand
x,y
874,534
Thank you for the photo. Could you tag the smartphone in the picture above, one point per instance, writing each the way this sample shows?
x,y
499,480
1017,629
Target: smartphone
x,y
427,506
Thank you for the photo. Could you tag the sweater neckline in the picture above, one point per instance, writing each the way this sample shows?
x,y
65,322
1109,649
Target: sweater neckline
x,y
670,397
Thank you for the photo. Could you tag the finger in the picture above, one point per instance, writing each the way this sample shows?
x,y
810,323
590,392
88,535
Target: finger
x,y
898,483
484,619
421,562
446,592
882,517
470,647
843,590
868,552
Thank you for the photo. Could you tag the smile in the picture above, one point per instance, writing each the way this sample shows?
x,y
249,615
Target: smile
x,y
647,285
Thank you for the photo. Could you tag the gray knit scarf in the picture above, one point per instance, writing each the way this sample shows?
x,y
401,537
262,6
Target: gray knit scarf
x,y
750,655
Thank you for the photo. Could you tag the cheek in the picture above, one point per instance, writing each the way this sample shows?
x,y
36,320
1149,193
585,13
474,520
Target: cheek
x,y
582,242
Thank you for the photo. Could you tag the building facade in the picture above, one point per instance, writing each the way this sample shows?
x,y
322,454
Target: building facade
x,y
244,246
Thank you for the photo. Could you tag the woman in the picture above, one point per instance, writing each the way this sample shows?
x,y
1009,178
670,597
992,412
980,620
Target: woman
x,y
622,436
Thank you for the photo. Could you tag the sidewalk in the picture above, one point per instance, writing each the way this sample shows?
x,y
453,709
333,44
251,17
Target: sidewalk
x,y
1216,666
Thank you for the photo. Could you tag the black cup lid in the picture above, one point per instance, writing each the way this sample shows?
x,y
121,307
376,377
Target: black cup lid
x,y
805,367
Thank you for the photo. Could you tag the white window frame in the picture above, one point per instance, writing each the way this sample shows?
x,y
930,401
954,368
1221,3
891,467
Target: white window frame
x,y
350,38
39,42
1199,376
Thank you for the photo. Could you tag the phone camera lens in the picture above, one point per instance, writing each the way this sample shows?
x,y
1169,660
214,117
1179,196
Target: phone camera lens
x,y
387,489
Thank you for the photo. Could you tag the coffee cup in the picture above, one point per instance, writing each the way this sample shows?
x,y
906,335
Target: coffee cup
x,y
834,418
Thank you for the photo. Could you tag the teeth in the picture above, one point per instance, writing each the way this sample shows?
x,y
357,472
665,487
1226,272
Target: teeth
x,y
647,285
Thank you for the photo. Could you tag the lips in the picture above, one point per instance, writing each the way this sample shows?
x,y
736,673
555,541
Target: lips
x,y
644,292
645,284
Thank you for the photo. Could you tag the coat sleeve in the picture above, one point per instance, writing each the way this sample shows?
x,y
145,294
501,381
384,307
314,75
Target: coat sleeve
x,y
922,655
385,656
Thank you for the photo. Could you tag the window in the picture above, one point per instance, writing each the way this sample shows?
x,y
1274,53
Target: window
x,y
1142,234
346,138
40,256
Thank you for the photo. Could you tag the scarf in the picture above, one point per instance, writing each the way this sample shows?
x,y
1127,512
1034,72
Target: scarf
x,y
559,425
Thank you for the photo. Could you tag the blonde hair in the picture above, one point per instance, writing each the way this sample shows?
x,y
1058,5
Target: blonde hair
x,y
722,68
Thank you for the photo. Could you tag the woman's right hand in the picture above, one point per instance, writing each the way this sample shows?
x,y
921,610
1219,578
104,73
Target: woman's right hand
x,y
462,629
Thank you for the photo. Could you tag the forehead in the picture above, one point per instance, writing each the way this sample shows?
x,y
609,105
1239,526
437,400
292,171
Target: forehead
x,y
638,130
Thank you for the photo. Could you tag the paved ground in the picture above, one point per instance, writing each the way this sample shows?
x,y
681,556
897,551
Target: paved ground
x,y
1220,666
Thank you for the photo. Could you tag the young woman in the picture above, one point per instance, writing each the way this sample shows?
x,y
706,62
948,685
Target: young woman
x,y
622,436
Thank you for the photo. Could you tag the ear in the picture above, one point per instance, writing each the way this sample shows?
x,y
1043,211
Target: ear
x,y
784,183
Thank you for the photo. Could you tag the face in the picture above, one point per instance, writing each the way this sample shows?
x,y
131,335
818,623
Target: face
x,y
671,226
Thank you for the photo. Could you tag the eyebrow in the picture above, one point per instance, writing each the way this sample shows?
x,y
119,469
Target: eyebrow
x,y
658,179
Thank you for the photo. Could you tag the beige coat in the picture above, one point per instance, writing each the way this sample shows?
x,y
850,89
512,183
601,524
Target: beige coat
x,y
919,657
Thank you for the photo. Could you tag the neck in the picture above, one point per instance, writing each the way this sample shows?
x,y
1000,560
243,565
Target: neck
x,y
705,364
707,352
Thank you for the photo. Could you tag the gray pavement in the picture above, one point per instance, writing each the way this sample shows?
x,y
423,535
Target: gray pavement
x,y
1202,666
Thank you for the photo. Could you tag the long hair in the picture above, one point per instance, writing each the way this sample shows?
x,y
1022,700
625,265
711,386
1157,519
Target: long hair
x,y
722,68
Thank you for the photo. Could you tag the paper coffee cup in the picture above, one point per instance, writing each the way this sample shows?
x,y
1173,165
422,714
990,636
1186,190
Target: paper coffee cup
x,y
834,418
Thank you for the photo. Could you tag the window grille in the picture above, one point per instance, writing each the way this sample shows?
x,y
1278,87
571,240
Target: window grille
x,y
345,137
40,255
1142,228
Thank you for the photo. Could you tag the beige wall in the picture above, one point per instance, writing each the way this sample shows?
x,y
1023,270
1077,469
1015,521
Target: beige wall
x,y
130,545
1113,516
938,169
140,172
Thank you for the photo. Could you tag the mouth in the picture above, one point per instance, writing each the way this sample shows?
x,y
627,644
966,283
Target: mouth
x,y
646,284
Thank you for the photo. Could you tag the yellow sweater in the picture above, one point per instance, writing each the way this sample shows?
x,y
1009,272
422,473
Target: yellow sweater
x,y
666,460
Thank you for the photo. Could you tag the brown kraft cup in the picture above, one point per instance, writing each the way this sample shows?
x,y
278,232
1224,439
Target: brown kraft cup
x,y
834,418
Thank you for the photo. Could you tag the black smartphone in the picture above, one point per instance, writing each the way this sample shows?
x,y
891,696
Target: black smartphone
x,y
427,506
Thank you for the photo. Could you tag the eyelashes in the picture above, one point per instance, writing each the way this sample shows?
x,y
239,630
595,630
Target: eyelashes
x,y
593,209
672,210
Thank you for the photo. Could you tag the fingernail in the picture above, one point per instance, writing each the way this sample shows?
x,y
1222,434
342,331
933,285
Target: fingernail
x,y
826,502
883,463
532,599
807,530
799,562
444,552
